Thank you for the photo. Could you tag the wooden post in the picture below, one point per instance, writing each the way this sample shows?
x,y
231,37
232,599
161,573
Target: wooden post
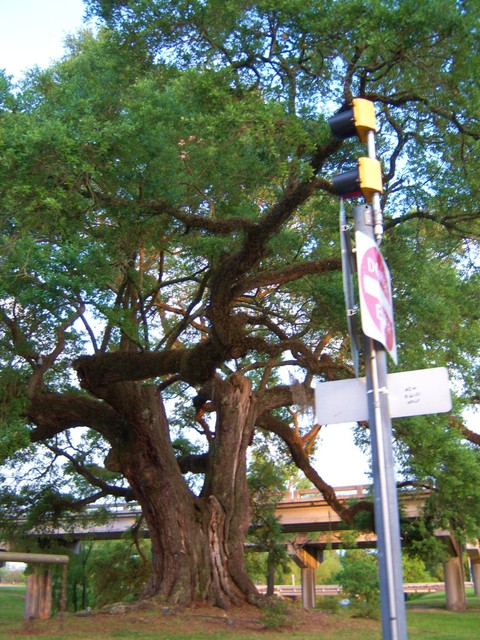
x,y
38,600
63,600
31,597
45,593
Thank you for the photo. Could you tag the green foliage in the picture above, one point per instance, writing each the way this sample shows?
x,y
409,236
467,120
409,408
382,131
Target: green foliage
x,y
276,613
329,603
436,456
328,568
79,593
117,572
420,544
268,484
13,432
359,580
358,575
415,570
12,576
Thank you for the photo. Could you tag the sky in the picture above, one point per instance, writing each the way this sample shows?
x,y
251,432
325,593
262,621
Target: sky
x,y
32,33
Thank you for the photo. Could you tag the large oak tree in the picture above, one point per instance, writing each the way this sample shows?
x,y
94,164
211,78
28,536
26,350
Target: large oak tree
x,y
170,261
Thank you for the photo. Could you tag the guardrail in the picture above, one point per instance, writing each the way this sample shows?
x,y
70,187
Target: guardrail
x,y
294,495
295,591
350,491
346,492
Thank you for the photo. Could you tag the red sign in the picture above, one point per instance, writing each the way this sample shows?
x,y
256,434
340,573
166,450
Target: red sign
x,y
376,305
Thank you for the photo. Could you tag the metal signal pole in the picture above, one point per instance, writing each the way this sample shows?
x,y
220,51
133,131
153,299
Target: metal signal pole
x,y
378,327
387,522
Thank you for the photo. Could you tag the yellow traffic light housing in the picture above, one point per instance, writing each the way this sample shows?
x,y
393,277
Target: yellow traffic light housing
x,y
364,117
366,179
370,173
358,120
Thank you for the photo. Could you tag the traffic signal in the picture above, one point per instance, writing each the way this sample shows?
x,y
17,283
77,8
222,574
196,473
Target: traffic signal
x,y
366,179
358,120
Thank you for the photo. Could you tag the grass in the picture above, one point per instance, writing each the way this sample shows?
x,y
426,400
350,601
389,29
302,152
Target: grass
x,y
426,618
443,625
12,603
437,600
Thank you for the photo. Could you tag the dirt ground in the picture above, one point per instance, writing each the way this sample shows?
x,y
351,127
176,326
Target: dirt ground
x,y
151,620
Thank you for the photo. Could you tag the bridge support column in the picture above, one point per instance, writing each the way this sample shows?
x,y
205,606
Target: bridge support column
x,y
309,599
455,578
308,558
476,577
473,550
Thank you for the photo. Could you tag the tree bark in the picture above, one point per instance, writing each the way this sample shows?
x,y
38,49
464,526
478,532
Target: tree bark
x,y
270,577
226,478
197,541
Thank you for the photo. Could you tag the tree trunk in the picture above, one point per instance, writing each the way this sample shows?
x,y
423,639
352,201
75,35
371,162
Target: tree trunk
x,y
197,541
270,576
226,481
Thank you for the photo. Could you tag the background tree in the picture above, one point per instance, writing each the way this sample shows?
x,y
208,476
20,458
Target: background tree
x,y
268,483
117,572
169,234
358,578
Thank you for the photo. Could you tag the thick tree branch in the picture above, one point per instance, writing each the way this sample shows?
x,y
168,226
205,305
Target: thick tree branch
x,y
53,413
192,463
288,274
60,505
195,365
156,207
234,267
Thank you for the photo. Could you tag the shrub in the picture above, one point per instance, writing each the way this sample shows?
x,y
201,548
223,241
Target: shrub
x,y
358,578
328,603
414,570
117,572
275,613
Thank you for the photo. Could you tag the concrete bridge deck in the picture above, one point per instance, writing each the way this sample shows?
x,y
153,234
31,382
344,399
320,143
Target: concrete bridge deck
x,y
304,511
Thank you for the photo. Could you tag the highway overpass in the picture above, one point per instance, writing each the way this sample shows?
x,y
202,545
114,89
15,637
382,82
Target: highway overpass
x,y
312,526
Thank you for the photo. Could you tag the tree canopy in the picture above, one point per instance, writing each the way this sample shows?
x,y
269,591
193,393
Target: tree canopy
x,y
170,276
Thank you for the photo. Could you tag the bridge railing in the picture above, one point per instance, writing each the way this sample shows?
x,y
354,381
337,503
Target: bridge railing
x,y
295,591
350,491
294,495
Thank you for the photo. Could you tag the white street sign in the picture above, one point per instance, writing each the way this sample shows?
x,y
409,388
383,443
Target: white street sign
x,y
410,393
418,393
375,293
